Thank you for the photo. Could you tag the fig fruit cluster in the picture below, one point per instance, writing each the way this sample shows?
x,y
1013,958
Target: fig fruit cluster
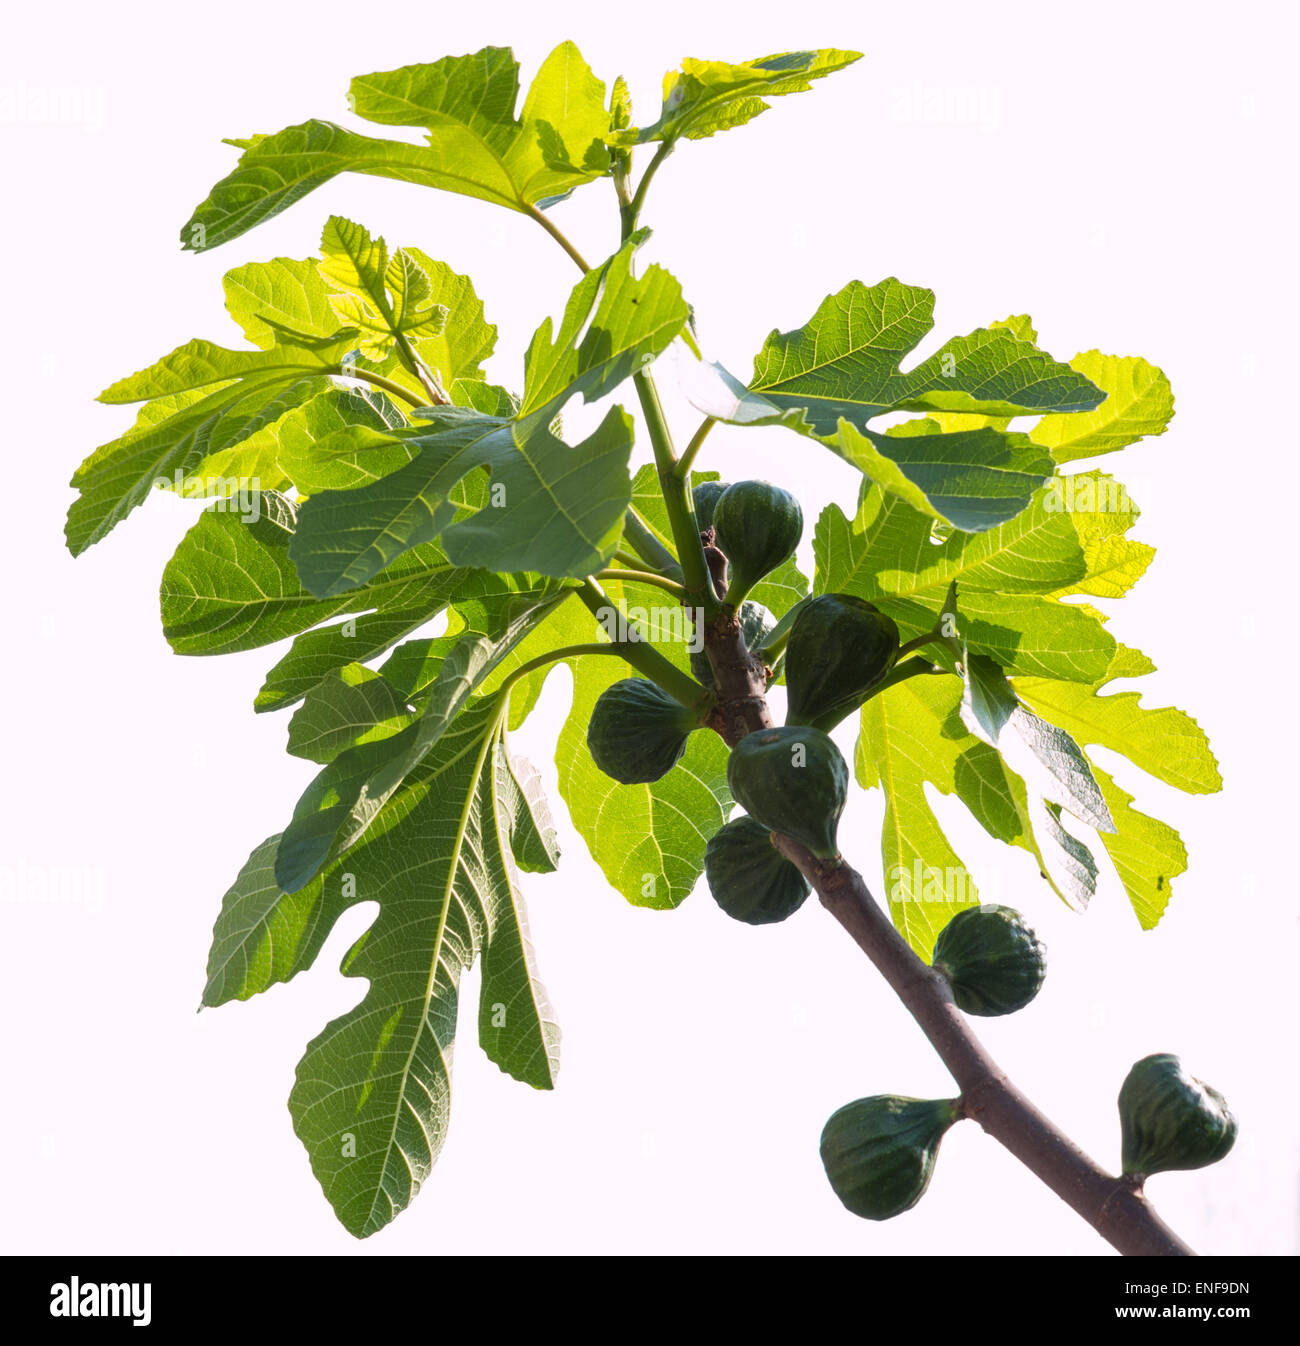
x,y
792,781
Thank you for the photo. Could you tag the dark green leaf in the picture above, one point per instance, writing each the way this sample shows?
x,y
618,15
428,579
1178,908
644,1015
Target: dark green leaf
x,y
231,586
497,612
1043,754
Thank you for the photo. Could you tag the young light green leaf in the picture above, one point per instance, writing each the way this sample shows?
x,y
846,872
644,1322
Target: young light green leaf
x,y
614,324
1139,402
202,365
219,421
383,299
648,840
272,299
475,145
1163,741
708,96
1009,582
466,103
170,445
555,509
911,735
1147,854
1011,577
458,349
845,364
297,443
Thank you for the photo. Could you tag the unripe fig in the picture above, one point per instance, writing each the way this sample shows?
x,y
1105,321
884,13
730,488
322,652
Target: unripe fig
x,y
879,1152
637,732
993,960
749,878
1169,1120
792,780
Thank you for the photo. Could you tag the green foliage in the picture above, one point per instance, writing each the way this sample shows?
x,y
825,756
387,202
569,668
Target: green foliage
x,y
992,959
555,509
704,97
363,480
1169,1120
842,370
474,143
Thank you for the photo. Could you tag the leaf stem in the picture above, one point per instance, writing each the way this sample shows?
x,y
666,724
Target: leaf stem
x,y
638,199
645,542
920,642
552,657
909,668
553,229
698,438
677,500
642,577
641,655
429,381
379,381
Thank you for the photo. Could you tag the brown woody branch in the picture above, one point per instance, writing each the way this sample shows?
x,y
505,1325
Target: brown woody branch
x,y
1112,1207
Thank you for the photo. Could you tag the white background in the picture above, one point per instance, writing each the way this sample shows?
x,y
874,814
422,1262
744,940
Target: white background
x,y
1123,172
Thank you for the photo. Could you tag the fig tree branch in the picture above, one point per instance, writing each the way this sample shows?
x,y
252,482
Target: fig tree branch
x,y
1119,1214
